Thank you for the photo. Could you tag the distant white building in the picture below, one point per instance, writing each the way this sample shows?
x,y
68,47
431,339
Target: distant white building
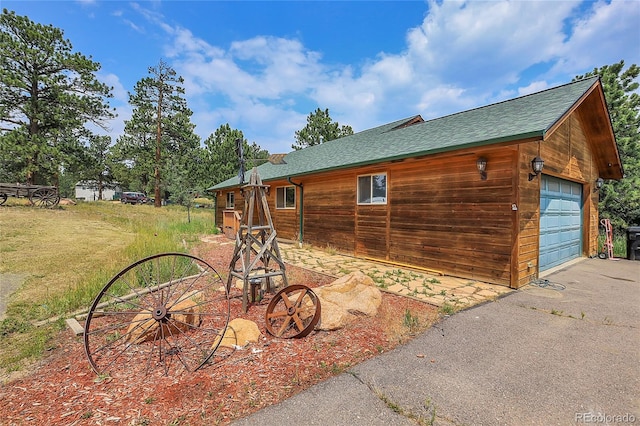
x,y
88,191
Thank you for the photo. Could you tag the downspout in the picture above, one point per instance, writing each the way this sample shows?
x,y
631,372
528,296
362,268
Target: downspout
x,y
301,231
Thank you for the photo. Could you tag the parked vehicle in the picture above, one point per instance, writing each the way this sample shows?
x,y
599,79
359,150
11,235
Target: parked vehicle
x,y
133,198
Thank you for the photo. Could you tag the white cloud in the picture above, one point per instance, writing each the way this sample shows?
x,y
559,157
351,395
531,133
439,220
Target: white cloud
x,y
606,35
120,94
436,98
535,86
133,26
253,85
463,55
487,42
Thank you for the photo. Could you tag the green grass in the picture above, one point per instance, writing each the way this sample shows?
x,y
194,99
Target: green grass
x,y
410,321
447,309
619,245
69,253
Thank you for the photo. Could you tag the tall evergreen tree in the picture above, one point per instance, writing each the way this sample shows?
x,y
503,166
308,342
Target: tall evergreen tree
x,y
319,129
620,200
158,133
47,95
221,157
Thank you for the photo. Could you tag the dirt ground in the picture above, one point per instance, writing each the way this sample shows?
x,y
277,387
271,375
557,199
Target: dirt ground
x,y
8,284
63,390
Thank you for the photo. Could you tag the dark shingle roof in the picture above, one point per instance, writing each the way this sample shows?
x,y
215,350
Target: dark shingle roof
x,y
527,116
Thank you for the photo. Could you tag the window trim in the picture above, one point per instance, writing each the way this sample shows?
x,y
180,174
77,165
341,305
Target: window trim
x,y
231,205
386,189
285,188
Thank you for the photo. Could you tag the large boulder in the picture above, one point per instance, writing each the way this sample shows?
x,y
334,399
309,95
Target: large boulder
x,y
144,327
240,332
346,299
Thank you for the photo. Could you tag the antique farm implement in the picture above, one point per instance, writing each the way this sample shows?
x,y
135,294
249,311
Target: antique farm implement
x,y
38,195
169,312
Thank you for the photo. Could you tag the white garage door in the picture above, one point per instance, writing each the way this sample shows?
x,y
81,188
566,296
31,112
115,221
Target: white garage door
x,y
560,222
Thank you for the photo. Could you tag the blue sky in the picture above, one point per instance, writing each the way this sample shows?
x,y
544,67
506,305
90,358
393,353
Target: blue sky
x,y
264,66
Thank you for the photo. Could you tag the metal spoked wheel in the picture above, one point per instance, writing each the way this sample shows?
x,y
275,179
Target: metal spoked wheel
x,y
44,197
293,312
163,314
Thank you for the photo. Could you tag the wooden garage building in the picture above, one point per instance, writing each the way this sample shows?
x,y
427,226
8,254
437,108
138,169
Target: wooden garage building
x,y
457,194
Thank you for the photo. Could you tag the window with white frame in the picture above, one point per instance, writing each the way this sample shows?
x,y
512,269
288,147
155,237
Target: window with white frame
x,y
372,189
230,200
286,197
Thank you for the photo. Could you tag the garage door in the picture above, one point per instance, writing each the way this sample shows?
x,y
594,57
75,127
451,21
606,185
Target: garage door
x,y
560,222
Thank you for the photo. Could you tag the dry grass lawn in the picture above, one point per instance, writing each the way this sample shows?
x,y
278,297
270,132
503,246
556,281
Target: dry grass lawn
x,y
65,255
56,248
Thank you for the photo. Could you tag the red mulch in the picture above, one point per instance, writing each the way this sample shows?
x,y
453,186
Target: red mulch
x,y
63,390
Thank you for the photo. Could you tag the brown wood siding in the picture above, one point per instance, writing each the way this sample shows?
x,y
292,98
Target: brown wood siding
x,y
528,217
439,215
285,221
444,217
371,231
596,127
329,210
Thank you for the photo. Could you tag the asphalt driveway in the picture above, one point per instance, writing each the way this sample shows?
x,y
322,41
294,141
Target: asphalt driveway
x,y
564,353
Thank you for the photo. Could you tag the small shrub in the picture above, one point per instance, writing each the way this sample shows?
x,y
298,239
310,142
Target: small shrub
x,y
330,250
447,308
410,321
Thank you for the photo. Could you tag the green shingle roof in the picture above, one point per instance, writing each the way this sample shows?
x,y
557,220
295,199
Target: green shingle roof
x,y
527,116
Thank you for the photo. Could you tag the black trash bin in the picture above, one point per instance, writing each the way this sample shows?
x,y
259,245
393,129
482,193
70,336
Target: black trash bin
x,y
633,243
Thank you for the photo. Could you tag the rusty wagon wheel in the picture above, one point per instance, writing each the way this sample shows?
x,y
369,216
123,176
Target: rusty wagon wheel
x,y
3,198
44,197
163,314
293,312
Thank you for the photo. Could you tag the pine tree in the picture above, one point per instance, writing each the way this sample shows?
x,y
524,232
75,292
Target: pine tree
x,y
319,129
620,200
159,132
47,95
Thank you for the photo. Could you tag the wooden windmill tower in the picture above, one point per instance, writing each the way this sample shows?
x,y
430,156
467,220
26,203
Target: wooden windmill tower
x,y
256,258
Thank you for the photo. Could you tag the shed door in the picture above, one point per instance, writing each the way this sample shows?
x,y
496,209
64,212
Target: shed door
x,y
560,222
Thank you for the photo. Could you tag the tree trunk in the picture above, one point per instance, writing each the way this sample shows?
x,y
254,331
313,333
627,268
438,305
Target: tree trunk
x,y
100,189
158,199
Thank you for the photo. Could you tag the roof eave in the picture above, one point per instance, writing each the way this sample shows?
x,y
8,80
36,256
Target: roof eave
x,y
494,141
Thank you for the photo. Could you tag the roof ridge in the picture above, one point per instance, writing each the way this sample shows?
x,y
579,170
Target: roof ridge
x,y
396,124
380,129
510,100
